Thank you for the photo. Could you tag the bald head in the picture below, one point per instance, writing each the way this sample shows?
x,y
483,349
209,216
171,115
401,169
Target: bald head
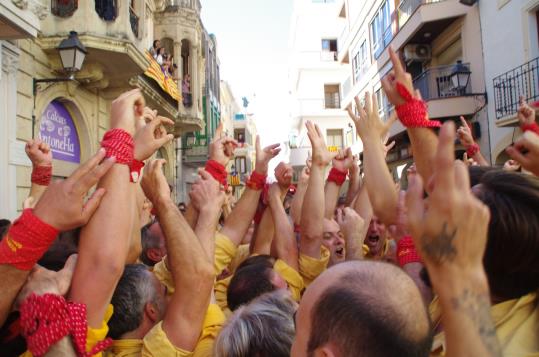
x,y
363,309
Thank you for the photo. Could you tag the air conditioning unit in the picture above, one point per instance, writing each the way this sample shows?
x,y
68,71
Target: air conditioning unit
x,y
417,52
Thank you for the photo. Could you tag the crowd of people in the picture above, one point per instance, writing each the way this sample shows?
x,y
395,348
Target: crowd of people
x,y
106,263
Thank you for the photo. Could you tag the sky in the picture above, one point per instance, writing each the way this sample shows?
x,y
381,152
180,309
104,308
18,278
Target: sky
x,y
252,46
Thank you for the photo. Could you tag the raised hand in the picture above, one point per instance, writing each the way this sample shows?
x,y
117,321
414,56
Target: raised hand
x,y
321,155
369,126
397,75
221,147
526,114
351,223
399,230
154,183
344,160
387,147
43,281
62,204
464,133
283,174
206,192
526,152
263,156
451,232
38,152
126,110
151,134
274,194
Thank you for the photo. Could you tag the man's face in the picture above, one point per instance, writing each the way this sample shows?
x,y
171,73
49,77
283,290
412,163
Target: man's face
x,y
277,280
376,237
334,241
160,251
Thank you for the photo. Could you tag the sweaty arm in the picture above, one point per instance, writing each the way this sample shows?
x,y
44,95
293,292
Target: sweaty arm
x,y
193,277
312,214
284,241
297,201
239,220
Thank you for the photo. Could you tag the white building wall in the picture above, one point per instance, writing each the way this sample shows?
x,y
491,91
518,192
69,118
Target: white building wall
x,y
509,34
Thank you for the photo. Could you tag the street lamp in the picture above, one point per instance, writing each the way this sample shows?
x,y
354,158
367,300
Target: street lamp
x,y
460,76
72,54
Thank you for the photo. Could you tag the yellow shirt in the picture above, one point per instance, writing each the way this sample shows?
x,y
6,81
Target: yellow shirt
x,y
517,327
310,268
156,342
242,254
225,251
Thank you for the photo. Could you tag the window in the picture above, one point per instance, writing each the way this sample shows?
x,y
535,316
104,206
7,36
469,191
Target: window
x,y
334,139
384,107
239,135
381,33
240,165
329,50
360,61
107,9
64,8
331,96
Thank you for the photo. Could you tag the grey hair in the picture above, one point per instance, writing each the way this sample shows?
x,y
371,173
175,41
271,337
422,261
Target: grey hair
x,y
263,328
148,240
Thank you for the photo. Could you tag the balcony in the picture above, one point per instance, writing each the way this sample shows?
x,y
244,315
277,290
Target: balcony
x,y
174,5
328,56
332,100
134,20
408,7
510,86
196,154
445,100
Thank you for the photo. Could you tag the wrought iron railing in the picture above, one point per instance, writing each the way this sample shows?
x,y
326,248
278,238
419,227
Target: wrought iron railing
x,y
510,86
437,83
332,100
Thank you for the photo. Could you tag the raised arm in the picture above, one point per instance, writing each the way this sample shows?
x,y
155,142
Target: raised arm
x,y
422,138
238,222
340,165
284,241
354,185
105,240
191,268
464,133
451,235
40,154
61,208
299,196
312,212
354,230
380,186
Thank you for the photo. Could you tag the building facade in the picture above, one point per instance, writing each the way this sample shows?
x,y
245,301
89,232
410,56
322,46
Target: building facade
x,y
195,144
511,66
437,40
315,76
73,115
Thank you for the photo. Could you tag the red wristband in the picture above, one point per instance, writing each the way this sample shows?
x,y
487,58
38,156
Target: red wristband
x,y
337,176
26,241
473,149
256,181
119,143
413,113
47,319
406,252
135,168
530,127
217,171
41,175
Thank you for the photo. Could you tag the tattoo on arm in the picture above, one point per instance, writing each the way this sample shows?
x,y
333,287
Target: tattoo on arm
x,y
440,248
476,305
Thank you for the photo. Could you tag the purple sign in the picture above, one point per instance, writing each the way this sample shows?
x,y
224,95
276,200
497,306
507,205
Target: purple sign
x,y
57,130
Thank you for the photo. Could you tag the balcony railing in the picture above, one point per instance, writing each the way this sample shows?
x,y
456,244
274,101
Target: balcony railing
x,y
510,86
328,56
408,7
189,4
436,83
332,101
133,19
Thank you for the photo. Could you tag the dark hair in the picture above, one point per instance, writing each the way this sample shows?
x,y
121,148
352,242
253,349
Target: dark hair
x,y
4,227
358,322
148,240
511,260
154,43
66,244
252,279
133,291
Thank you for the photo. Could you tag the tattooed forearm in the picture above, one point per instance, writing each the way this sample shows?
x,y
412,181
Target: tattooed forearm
x,y
440,248
476,306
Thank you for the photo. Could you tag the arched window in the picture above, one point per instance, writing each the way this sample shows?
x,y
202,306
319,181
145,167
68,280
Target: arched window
x,y
64,8
107,9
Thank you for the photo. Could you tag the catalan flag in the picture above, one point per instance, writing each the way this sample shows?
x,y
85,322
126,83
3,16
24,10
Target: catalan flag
x,y
166,83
